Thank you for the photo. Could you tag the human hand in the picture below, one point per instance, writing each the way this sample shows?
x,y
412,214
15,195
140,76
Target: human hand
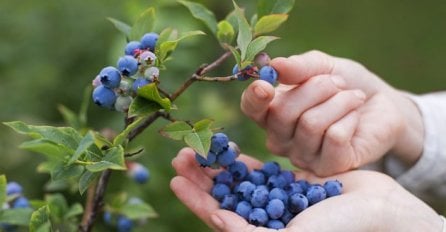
x,y
330,114
370,202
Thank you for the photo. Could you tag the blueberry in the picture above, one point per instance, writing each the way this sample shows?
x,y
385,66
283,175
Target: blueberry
x,y
287,217
294,188
128,65
267,73
304,184
278,193
206,162
276,181
224,177
152,73
13,188
227,157
124,224
275,208
20,202
148,41
288,175
258,217
122,103
147,58
275,224
239,170
333,188
243,75
139,173
315,194
219,191
229,202
271,168
245,190
131,47
140,82
243,209
219,142
257,177
259,197
104,97
297,202
110,77
107,218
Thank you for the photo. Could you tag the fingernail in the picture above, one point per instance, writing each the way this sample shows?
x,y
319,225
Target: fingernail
x,y
359,93
338,81
260,93
217,222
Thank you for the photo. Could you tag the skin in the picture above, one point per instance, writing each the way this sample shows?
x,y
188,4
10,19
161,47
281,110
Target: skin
x,y
371,201
329,115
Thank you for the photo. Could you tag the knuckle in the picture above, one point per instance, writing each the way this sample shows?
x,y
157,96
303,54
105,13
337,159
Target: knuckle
x,y
309,123
337,136
275,146
323,84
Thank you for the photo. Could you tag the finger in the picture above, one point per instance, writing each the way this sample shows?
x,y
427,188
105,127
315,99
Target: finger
x,y
287,107
251,162
337,142
229,221
299,68
256,99
198,201
314,122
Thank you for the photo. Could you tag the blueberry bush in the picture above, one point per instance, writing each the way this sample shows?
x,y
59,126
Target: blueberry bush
x,y
79,157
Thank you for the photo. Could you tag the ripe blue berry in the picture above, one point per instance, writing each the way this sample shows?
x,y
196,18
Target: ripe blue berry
x,y
275,224
20,202
259,197
208,161
288,175
107,218
297,202
333,188
278,193
140,82
227,157
104,97
219,142
148,41
267,73
110,77
131,47
13,188
219,191
276,181
243,209
244,74
287,217
128,65
124,224
224,177
315,194
258,217
294,188
139,173
275,208
271,168
229,202
257,177
239,170
245,190
304,184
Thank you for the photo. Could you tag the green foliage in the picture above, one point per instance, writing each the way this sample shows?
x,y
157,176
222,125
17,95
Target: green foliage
x,y
269,23
2,189
133,208
143,24
265,7
113,159
225,32
19,216
258,45
244,32
121,26
167,46
202,13
40,220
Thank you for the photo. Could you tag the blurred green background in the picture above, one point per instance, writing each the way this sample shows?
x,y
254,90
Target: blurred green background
x,y
50,50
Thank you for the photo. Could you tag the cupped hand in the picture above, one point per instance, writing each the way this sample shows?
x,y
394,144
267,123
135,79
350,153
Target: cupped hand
x,y
330,115
370,202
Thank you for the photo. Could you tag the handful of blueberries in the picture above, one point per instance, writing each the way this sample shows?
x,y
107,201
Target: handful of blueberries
x,y
268,197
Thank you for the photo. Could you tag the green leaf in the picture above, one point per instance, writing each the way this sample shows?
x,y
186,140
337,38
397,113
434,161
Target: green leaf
x,y
121,26
235,54
269,23
119,139
150,92
176,130
225,32
86,180
258,45
20,216
232,19
254,19
141,107
266,7
39,218
101,142
113,159
244,33
3,183
138,211
143,24
118,200
75,210
69,116
66,136
57,205
200,137
202,13
46,147
167,47
167,34
85,143
66,172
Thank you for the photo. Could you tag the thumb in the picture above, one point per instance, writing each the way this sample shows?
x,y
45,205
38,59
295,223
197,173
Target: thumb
x,y
299,68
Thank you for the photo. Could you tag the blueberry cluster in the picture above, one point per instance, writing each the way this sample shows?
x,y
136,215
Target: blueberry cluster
x,y
116,86
268,197
14,191
260,69
138,172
